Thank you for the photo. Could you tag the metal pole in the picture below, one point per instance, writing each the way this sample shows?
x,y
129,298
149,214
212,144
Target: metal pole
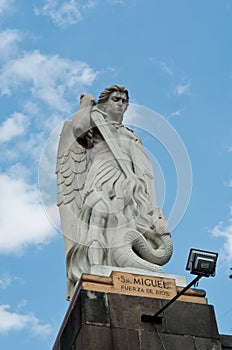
x,y
154,318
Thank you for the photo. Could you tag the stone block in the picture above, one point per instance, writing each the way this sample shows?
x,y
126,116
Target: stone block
x,y
92,338
95,308
126,311
161,341
72,327
189,318
207,344
125,339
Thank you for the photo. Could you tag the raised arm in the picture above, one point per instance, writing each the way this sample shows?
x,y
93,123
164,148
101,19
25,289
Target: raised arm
x,y
81,122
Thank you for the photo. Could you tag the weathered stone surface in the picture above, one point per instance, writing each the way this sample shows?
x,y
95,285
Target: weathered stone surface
x,y
193,319
161,341
125,339
207,344
226,341
72,327
126,311
95,308
101,321
93,338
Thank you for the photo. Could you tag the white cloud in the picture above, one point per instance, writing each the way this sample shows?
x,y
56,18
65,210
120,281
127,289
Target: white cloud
x,y
24,149
177,113
182,89
53,121
22,219
166,69
5,5
64,13
12,127
9,40
6,280
19,171
32,146
12,321
50,77
224,230
31,108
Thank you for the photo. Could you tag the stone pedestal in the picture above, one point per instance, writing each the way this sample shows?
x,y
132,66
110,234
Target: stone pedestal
x,y
100,317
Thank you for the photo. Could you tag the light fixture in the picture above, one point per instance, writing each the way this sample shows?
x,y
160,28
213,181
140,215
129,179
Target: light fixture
x,y
201,263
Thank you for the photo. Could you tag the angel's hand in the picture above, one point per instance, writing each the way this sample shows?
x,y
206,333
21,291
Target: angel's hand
x,y
87,99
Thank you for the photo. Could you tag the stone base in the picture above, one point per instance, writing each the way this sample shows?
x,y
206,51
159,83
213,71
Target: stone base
x,y
103,320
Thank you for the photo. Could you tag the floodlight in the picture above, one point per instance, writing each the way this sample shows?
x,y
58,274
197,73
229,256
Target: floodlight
x,y
202,262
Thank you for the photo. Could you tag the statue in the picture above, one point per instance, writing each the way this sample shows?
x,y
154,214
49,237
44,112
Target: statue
x,y
106,193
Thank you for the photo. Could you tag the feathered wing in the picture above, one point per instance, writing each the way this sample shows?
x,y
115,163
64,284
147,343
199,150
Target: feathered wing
x,y
71,168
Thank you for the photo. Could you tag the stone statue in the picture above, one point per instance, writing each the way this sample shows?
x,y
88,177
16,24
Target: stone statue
x,y
106,193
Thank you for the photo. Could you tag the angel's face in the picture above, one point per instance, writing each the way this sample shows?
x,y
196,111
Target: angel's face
x,y
116,106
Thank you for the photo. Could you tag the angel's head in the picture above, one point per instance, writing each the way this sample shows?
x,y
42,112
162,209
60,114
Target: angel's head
x,y
114,101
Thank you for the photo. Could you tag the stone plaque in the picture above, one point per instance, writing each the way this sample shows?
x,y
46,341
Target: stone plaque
x,y
147,286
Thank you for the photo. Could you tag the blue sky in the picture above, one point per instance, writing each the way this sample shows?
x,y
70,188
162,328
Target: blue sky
x,y
175,58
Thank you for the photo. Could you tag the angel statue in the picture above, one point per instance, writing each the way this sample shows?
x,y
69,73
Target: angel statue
x,y
106,192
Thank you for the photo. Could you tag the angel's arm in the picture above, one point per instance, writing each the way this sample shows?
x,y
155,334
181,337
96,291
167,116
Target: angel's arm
x,y
81,121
